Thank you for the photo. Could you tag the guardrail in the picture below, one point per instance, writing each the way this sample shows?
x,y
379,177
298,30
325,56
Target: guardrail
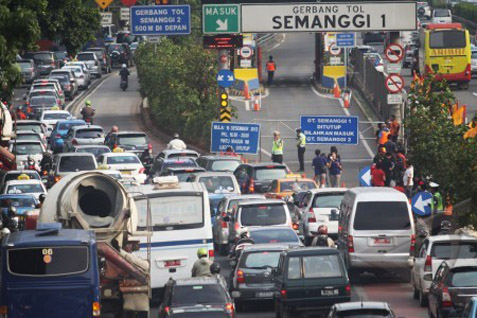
x,y
265,38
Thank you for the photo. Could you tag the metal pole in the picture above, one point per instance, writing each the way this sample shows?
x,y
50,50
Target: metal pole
x,y
346,67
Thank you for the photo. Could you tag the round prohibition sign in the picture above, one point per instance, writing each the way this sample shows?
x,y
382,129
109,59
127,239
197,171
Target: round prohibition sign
x,y
334,50
394,83
246,52
394,53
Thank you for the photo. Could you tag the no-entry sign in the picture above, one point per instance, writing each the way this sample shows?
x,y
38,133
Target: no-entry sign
x,y
394,83
335,50
394,53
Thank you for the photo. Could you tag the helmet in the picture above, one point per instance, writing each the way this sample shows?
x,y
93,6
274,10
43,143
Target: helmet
x,y
215,268
244,235
42,197
446,225
88,103
322,229
176,135
202,252
298,130
124,66
30,158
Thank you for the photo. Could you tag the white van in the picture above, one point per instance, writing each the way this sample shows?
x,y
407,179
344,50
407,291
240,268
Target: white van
x,y
376,229
441,16
181,224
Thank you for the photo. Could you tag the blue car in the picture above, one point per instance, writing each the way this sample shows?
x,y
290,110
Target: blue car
x,y
22,202
57,137
470,309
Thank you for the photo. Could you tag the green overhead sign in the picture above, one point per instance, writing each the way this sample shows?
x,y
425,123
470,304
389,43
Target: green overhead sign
x,y
220,18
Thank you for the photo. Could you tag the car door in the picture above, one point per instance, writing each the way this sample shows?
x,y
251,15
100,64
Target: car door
x,y
419,262
433,296
67,142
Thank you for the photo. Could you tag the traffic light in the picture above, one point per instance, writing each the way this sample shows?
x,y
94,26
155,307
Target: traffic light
x,y
162,2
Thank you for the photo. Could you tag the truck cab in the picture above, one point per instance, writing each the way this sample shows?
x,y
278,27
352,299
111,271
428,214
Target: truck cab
x,y
50,272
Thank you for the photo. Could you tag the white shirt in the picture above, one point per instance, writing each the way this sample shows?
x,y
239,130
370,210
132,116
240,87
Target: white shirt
x,y
408,175
176,144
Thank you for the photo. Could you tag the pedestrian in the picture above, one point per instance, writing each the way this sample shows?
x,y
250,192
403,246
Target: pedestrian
x,y
301,147
335,167
383,135
201,266
277,148
388,168
378,177
400,165
437,204
390,146
408,178
229,151
394,127
271,68
379,157
176,143
319,164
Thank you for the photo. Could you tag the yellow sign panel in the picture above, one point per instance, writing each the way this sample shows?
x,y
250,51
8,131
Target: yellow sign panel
x,y
447,52
103,4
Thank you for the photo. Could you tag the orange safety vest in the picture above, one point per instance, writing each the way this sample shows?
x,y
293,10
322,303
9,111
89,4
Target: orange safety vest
x,y
271,67
384,137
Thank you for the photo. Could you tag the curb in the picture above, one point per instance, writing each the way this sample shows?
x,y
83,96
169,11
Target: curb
x,y
319,88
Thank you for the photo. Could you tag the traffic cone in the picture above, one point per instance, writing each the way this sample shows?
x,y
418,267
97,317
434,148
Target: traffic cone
x,y
346,100
336,90
256,104
246,93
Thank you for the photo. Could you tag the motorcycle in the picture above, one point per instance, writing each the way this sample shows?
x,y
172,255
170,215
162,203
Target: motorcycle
x,y
10,220
89,121
124,84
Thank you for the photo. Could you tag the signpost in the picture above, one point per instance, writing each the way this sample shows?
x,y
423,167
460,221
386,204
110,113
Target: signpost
x,y
160,20
225,78
394,83
106,18
329,17
394,53
243,138
365,177
124,14
330,129
421,203
222,41
220,18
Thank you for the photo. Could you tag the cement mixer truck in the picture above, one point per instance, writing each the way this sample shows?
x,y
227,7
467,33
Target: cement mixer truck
x,y
95,201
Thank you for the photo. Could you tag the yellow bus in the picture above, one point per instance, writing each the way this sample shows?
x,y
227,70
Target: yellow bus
x,y
445,51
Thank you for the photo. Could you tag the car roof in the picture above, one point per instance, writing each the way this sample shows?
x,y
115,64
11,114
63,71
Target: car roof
x,y
312,251
21,171
214,174
86,127
221,157
27,132
90,146
66,121
119,154
261,201
172,151
28,121
29,238
461,263
185,158
362,305
58,111
184,187
16,196
450,237
378,193
266,247
74,154
185,168
235,196
328,190
129,132
265,164
196,281
26,142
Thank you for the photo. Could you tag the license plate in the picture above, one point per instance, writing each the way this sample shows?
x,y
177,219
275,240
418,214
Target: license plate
x,y
126,172
172,263
329,292
264,294
382,241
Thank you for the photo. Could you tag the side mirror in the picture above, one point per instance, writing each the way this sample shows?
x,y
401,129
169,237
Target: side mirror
x,y
423,234
226,218
274,272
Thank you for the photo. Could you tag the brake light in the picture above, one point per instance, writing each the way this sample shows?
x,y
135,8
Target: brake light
x,y
295,226
224,225
167,309
74,142
350,244
311,216
45,172
57,178
413,244
230,308
149,147
251,186
96,309
283,293
115,146
428,264
211,253
240,277
348,289
3,311
142,170
237,226
57,136
446,297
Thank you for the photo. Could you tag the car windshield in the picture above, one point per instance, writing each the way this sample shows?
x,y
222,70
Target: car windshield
x,y
67,126
85,56
65,75
364,313
261,215
454,250
322,266
182,155
133,140
44,86
218,184
26,202
123,159
24,188
274,236
28,137
15,175
173,212
89,133
447,39
49,261
192,295
327,200
55,116
42,93
43,101
76,163
296,186
77,70
182,175
225,165
24,65
270,173
29,127
22,149
260,260
382,216
179,163
464,277
441,13
96,151
43,57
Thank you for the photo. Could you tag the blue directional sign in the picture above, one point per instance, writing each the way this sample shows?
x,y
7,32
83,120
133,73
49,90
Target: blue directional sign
x,y
225,78
330,129
346,39
243,138
160,20
365,177
421,203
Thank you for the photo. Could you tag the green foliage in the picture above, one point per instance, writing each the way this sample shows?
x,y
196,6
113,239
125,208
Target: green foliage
x,y
437,147
466,10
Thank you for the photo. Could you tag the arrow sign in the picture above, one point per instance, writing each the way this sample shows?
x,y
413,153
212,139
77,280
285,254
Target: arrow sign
x,y
394,83
365,177
394,53
225,78
222,25
421,203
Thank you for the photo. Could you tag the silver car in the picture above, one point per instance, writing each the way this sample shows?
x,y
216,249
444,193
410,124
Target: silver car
x,y
91,60
83,135
79,75
83,66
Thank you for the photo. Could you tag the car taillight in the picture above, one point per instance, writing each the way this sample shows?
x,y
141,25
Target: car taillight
x,y
115,146
96,309
283,293
45,172
428,264
3,311
236,226
311,216
295,226
350,244
57,178
224,225
167,309
229,307
413,244
57,136
142,170
211,253
74,142
240,277
149,148
446,297
251,186
348,289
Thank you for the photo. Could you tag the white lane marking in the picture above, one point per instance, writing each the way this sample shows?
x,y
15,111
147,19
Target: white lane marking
x,y
474,93
346,111
247,105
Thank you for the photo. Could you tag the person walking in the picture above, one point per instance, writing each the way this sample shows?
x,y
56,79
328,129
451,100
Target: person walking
x,y
388,167
301,146
408,179
378,177
277,148
335,167
271,68
176,143
20,114
394,127
383,135
319,164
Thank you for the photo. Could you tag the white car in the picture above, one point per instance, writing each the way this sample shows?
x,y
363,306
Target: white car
x,y
83,135
51,117
79,75
22,135
83,65
25,148
441,16
34,187
32,126
125,162
434,250
473,60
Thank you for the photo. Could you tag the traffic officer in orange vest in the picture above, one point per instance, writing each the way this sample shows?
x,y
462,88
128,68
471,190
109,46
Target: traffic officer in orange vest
x,y
271,68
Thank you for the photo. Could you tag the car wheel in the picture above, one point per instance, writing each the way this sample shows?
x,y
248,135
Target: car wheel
x,y
423,301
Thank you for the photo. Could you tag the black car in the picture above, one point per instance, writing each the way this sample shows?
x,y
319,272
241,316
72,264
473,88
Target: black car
x,y
131,141
200,313
119,54
161,165
182,173
103,58
256,177
199,293
45,61
219,163
311,278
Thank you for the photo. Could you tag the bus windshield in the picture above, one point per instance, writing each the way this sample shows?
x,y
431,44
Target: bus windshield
x,y
449,39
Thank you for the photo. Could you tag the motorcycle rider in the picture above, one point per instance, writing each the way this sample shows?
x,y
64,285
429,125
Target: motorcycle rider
x,y
243,240
124,73
31,164
445,228
176,143
46,163
202,265
322,239
88,112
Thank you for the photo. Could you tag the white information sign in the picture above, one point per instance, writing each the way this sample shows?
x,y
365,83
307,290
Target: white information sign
x,y
245,63
125,14
394,99
106,18
393,68
329,17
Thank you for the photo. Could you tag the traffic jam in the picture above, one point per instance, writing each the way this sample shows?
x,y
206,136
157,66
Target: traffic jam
x,y
97,223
